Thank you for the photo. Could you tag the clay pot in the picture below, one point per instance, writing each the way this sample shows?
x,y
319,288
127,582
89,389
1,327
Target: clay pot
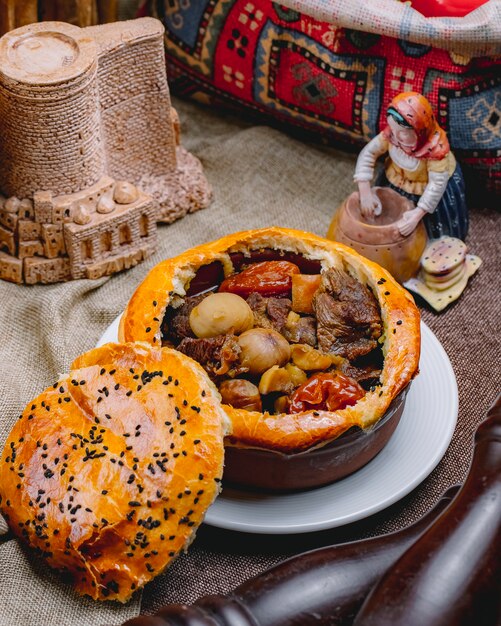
x,y
275,471
379,239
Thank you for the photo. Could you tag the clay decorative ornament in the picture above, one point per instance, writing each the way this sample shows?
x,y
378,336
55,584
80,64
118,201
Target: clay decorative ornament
x,y
420,195
90,158
445,269
420,167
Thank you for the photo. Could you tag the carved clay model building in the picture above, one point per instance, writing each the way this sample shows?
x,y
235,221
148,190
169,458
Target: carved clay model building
x,y
89,150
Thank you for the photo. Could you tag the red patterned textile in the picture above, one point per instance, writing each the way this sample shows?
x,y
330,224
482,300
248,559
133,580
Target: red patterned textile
x,y
334,82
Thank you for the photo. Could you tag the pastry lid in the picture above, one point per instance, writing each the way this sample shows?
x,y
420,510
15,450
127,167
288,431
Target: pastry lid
x,y
109,472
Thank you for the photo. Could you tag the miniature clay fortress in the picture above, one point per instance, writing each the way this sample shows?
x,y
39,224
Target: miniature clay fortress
x,y
89,150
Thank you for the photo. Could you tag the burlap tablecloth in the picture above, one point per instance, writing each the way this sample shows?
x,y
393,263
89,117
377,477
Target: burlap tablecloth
x,y
260,177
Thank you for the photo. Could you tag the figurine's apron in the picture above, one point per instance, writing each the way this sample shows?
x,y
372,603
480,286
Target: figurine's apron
x,y
451,215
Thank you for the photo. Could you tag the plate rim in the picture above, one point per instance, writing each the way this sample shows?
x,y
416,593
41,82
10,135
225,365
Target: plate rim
x,y
212,519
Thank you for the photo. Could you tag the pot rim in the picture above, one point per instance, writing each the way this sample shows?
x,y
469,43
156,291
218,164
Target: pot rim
x,y
343,441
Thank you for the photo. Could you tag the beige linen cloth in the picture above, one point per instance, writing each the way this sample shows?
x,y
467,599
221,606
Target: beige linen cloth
x,y
260,177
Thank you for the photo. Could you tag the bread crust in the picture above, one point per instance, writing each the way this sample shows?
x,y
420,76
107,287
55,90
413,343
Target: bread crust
x,y
116,466
143,315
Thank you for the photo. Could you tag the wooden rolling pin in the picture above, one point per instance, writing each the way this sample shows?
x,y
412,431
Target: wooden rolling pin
x,y
452,575
324,586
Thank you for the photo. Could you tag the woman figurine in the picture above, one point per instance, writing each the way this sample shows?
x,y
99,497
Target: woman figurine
x,y
420,166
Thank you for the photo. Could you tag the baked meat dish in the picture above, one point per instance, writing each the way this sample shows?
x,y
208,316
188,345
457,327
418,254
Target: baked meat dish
x,y
303,337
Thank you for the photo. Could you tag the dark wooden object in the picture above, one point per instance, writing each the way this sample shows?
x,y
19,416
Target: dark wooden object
x,y
446,575
16,13
452,575
325,586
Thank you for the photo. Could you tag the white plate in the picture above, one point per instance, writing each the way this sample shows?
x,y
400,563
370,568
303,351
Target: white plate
x,y
414,450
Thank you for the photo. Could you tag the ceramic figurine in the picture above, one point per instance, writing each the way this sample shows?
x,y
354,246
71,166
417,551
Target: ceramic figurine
x,y
89,151
420,167
420,188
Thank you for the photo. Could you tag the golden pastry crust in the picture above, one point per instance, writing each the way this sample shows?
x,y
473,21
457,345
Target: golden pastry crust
x,y
108,473
288,433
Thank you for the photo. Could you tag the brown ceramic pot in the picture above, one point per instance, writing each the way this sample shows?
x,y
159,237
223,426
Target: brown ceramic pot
x,y
265,469
379,239
275,471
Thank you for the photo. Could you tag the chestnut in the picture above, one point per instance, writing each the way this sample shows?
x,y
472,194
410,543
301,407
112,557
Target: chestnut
x,y
220,314
308,358
275,379
241,394
262,348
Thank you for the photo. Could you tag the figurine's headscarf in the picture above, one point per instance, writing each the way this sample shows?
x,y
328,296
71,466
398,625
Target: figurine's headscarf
x,y
416,111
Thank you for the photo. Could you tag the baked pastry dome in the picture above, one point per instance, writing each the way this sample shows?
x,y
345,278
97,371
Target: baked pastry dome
x,y
168,283
108,473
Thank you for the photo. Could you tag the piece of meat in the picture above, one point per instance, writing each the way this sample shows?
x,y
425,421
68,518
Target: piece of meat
x,y
257,303
304,330
176,323
269,312
348,318
363,307
367,376
217,355
278,310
